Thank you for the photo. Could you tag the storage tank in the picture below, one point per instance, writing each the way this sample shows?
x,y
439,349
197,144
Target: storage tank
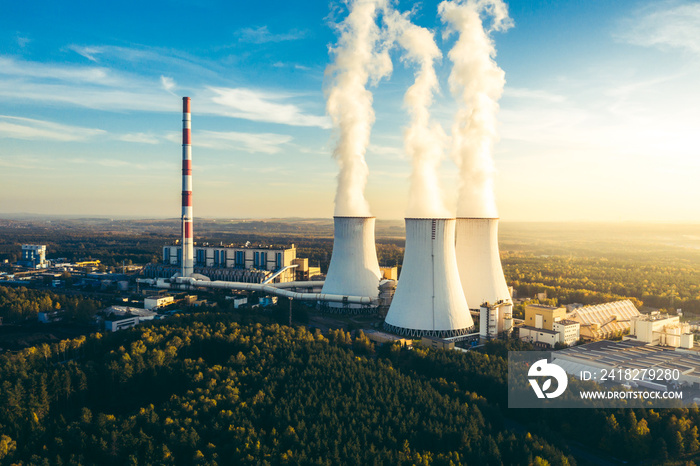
x,y
429,300
479,265
354,269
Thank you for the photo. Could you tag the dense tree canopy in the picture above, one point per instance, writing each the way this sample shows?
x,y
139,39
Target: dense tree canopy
x,y
209,390
17,304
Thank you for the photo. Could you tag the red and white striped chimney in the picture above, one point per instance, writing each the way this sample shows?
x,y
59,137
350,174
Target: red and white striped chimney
x,y
187,217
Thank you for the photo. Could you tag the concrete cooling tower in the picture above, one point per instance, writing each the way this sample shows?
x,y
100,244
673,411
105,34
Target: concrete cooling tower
x,y
429,300
354,269
480,267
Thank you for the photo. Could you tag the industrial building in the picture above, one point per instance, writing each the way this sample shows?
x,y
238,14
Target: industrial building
x,y
569,331
155,302
542,316
538,336
247,264
548,325
603,321
495,320
631,355
660,329
117,318
437,343
33,256
383,338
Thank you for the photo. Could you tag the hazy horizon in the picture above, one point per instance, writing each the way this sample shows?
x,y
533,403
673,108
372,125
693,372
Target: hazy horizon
x,y
25,216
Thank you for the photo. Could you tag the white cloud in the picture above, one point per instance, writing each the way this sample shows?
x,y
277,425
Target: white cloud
x,y
142,138
266,143
111,99
30,129
107,89
82,86
665,24
259,105
87,52
167,83
534,94
262,35
71,73
23,41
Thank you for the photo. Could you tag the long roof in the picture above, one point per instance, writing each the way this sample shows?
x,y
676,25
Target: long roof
x,y
631,355
602,314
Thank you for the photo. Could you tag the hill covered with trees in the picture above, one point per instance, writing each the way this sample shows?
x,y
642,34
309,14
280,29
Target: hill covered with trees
x,y
208,389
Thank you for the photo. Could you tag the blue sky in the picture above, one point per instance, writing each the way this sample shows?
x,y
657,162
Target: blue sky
x,y
600,119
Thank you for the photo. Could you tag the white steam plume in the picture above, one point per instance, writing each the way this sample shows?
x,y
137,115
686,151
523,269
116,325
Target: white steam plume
x,y
423,140
360,56
477,83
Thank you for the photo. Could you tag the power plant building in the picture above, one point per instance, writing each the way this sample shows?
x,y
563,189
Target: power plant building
x,y
605,320
542,316
33,256
660,329
236,264
495,320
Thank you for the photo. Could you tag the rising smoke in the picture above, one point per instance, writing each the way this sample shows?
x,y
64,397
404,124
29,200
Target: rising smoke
x,y
423,140
359,58
477,83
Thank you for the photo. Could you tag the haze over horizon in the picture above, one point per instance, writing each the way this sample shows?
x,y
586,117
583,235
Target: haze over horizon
x,y
598,120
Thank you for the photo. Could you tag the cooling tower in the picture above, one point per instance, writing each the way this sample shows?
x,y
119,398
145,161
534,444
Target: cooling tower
x,y
429,300
354,270
480,264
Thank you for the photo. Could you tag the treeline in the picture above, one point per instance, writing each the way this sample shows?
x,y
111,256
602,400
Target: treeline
x,y
19,304
591,281
82,243
208,390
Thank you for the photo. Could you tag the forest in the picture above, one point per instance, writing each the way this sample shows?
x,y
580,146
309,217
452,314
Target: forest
x,y
19,304
220,388
207,389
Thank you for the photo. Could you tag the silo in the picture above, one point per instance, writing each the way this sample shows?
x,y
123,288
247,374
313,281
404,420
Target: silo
x,y
480,267
429,300
354,269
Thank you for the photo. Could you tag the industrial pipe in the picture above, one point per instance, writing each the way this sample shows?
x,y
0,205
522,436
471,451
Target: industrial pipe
x,y
334,298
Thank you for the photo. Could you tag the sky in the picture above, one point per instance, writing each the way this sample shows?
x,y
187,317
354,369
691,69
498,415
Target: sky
x,y
599,121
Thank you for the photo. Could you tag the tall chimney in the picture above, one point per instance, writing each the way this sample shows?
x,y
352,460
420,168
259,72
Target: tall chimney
x,y
187,217
429,300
